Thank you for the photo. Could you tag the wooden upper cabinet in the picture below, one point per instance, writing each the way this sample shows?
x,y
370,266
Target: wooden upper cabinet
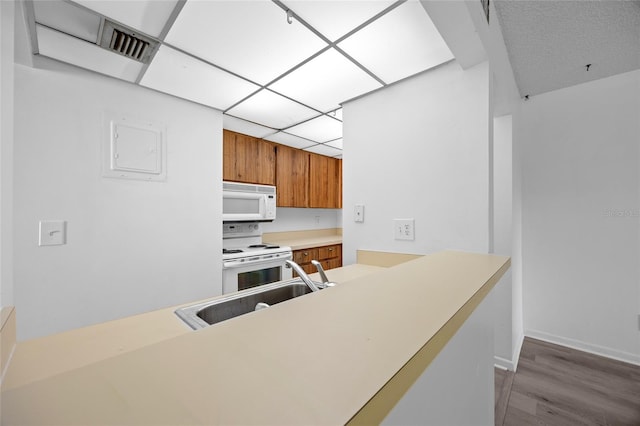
x,y
292,177
324,182
248,159
302,179
340,183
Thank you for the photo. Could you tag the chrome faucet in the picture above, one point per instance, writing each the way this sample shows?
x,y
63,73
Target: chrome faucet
x,y
323,276
303,275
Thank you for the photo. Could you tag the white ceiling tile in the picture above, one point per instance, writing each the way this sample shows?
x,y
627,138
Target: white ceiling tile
x,y
399,44
272,110
181,75
333,19
336,144
245,127
148,16
250,38
289,140
324,150
326,81
68,18
87,55
320,129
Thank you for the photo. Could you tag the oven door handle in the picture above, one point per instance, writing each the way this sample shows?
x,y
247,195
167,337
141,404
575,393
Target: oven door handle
x,y
250,261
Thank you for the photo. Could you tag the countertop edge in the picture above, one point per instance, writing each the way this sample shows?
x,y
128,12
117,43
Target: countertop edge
x,y
379,406
307,243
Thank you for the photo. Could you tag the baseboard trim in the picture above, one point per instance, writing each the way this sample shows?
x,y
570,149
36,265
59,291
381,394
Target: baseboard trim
x,y
585,347
502,363
510,364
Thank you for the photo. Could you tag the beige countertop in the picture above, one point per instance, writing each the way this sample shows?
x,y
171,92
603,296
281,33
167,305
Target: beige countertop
x,y
324,358
299,240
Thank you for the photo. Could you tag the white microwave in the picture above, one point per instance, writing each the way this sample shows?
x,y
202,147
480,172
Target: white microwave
x,y
243,202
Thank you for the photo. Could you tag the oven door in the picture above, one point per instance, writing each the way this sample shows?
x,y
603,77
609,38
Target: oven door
x,y
240,275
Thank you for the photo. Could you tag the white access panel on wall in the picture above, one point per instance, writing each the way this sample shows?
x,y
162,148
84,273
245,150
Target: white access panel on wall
x,y
134,149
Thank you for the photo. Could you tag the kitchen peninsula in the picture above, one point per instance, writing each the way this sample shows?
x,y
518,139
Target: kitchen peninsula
x,y
355,353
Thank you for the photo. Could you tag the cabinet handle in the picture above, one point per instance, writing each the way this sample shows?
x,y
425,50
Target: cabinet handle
x,y
305,254
331,249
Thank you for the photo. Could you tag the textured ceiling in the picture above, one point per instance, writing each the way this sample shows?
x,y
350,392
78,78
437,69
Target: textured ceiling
x,y
550,42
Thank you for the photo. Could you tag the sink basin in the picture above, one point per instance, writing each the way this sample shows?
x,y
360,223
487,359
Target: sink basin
x,y
243,302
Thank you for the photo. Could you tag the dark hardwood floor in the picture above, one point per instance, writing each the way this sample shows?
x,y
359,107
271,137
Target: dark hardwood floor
x,y
558,386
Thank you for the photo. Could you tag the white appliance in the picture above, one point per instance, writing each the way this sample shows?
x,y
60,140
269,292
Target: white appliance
x,y
247,262
243,202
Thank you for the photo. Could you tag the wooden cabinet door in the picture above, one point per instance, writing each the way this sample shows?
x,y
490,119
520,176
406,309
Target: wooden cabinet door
x,y
324,177
340,184
292,177
330,252
248,159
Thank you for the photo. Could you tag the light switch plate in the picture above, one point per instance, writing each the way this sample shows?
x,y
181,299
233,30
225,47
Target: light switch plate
x,y
404,229
358,213
52,233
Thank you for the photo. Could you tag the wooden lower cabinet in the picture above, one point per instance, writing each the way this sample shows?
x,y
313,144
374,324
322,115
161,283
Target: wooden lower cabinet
x,y
329,256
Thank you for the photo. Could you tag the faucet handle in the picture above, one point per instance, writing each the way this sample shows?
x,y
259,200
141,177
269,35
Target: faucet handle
x,y
322,274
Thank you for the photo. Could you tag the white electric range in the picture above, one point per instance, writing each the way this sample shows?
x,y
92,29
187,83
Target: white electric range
x,y
247,262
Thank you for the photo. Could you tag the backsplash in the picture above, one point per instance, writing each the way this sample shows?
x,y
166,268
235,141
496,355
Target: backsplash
x,y
299,219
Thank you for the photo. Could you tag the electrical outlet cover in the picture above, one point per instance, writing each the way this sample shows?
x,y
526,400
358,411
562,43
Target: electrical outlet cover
x,y
403,229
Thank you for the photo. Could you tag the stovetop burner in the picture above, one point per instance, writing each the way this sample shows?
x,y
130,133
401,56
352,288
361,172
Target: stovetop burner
x,y
231,251
265,246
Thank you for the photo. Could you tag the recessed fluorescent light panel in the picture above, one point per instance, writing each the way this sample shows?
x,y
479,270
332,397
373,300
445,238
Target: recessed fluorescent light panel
x,y
148,16
181,75
86,55
250,38
333,19
245,127
272,110
320,129
324,150
399,44
66,17
290,140
336,144
326,81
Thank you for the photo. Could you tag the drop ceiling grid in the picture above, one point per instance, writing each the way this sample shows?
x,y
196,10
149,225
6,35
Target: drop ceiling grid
x,y
288,87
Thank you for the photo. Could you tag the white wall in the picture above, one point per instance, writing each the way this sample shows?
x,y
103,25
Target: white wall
x,y
507,337
301,219
419,149
457,388
580,215
132,246
7,11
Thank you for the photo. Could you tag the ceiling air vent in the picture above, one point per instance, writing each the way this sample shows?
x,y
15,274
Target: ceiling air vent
x,y
127,42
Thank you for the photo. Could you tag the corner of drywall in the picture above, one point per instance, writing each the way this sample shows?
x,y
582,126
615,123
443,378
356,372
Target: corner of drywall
x,y
22,40
506,90
510,364
7,12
